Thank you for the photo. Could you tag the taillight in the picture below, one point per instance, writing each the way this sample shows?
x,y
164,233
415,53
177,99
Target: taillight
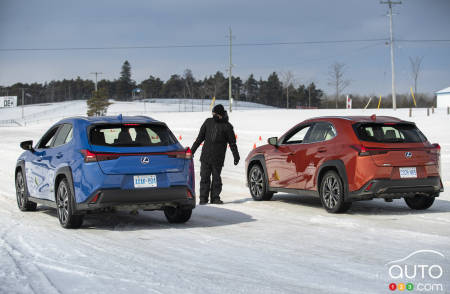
x,y
90,156
185,154
188,153
362,150
436,148
366,151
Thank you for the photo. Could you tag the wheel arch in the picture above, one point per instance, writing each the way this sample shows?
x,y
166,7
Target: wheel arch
x,y
61,173
20,166
339,167
258,159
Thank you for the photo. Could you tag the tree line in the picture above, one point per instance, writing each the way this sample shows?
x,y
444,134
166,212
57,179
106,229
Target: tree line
x,y
185,85
278,90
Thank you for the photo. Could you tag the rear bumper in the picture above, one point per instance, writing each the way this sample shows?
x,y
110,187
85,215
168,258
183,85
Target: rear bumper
x,y
147,198
391,189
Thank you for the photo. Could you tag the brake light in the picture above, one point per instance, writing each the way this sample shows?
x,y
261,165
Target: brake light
x,y
436,148
131,124
188,153
366,151
362,150
184,154
90,156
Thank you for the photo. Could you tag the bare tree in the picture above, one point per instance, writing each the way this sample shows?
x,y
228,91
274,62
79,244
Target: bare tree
x,y
189,81
287,78
336,79
416,67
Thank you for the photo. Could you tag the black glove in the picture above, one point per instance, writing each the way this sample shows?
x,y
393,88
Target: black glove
x,y
236,161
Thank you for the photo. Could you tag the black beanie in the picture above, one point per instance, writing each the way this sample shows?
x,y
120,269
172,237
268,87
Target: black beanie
x,y
219,109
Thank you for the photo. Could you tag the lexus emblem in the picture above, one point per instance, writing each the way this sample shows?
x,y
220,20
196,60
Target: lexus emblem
x,y
408,154
145,160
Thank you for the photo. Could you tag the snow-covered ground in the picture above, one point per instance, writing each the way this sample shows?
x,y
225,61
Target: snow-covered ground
x,y
287,245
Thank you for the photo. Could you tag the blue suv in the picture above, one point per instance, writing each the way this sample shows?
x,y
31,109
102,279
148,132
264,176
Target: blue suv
x,y
88,164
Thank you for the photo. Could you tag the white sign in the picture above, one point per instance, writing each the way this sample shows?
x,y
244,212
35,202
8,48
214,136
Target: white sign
x,y
8,101
349,102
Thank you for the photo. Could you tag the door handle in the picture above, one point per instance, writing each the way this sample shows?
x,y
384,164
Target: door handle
x,y
59,155
322,149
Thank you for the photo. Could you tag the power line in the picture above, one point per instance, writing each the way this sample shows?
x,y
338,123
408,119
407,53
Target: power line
x,y
224,45
194,45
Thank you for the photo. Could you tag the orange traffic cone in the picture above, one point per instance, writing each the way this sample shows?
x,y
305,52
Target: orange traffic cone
x,y
235,136
260,139
181,138
254,146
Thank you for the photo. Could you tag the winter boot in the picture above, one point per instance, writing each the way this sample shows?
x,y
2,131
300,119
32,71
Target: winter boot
x,y
216,201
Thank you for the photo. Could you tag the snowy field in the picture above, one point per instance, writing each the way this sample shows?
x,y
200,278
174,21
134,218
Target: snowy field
x,y
287,245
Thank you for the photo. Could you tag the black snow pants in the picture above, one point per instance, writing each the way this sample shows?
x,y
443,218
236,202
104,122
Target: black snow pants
x,y
206,185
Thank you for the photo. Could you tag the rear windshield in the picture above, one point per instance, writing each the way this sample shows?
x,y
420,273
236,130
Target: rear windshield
x,y
389,133
131,135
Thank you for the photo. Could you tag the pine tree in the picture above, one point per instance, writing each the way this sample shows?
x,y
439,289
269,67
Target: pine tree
x,y
98,103
125,85
251,88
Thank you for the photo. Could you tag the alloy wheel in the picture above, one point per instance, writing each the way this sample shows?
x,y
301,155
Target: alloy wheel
x,y
256,182
63,203
20,190
331,192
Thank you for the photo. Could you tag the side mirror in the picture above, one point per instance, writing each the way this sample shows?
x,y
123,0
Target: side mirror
x,y
273,141
27,145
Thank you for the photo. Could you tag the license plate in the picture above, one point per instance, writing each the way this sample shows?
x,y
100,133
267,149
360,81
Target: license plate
x,y
146,181
408,172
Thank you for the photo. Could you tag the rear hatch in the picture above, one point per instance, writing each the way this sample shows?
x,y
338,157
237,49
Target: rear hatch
x,y
135,149
399,145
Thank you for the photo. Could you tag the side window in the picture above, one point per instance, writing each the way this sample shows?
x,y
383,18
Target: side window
x,y
321,132
62,134
48,138
69,136
297,136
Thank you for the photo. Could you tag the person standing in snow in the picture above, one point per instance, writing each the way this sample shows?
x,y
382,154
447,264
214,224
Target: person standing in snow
x,y
216,132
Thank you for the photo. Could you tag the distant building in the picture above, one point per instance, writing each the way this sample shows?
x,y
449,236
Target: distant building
x,y
443,97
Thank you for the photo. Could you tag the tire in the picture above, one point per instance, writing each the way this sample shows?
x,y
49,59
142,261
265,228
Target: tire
x,y
177,215
257,184
22,194
420,202
65,207
332,193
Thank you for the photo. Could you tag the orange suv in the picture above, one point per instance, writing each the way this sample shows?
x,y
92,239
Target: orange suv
x,y
345,159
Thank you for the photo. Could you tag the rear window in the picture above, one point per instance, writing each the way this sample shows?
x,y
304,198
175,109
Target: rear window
x,y
389,133
131,135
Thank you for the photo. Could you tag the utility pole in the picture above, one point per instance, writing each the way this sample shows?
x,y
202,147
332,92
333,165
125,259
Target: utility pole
x,y
96,74
390,3
229,71
309,96
23,102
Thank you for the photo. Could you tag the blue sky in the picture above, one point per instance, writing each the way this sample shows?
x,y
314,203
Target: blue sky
x,y
56,24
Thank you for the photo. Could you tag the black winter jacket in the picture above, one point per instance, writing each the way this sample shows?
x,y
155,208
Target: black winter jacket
x,y
216,133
